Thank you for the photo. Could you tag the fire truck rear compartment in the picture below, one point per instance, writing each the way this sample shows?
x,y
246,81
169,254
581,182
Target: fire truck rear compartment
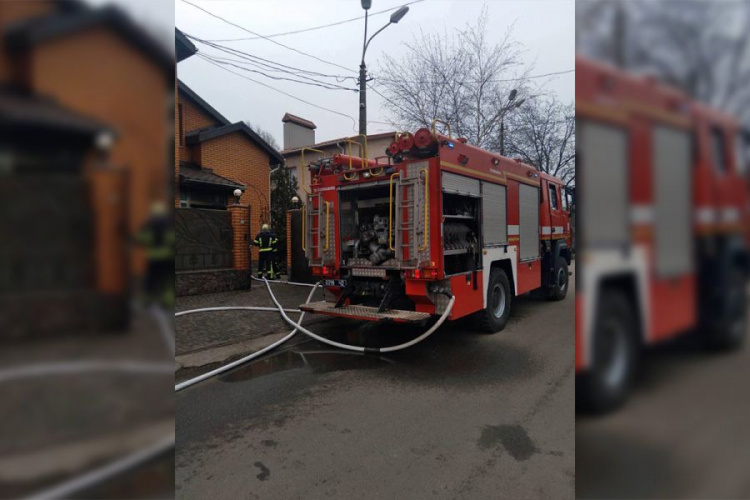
x,y
364,219
460,233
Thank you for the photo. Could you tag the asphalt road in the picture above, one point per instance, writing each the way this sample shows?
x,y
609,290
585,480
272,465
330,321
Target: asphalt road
x,y
460,415
684,434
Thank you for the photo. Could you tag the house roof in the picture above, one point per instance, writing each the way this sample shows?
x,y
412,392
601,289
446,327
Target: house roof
x,y
191,173
333,142
23,110
288,117
183,48
198,101
206,134
29,32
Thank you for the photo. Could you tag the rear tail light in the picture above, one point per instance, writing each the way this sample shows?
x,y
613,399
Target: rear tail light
x,y
423,274
323,271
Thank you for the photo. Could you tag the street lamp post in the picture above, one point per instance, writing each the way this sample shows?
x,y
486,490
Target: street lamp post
x,y
395,18
507,108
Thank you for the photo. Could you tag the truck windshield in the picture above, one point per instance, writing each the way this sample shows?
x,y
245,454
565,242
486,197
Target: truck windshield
x,y
743,152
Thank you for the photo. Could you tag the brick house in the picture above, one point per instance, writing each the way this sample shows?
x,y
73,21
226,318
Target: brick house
x,y
299,133
101,64
83,93
216,157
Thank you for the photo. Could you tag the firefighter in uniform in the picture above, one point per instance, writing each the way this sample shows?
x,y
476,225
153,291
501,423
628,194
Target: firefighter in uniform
x,y
266,241
158,238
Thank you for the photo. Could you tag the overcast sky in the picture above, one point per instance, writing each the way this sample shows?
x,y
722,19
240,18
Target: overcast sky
x,y
545,28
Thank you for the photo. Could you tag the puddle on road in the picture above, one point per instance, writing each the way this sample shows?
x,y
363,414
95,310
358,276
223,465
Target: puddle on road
x,y
313,361
452,355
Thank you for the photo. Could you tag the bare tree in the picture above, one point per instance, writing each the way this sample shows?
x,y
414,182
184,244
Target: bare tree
x,y
265,135
702,47
543,134
461,78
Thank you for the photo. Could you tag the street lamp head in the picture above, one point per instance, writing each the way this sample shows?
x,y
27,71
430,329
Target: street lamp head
x,y
512,95
295,199
396,16
366,4
518,104
237,193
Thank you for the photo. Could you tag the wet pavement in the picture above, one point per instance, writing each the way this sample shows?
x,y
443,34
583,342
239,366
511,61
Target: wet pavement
x,y
683,434
460,415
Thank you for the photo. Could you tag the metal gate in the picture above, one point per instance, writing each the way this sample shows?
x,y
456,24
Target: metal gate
x,y
203,239
46,255
300,270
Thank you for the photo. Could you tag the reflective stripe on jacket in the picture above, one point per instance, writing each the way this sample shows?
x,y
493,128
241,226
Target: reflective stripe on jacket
x,y
266,241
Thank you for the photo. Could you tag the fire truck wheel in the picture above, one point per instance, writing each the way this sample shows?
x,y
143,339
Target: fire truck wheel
x,y
559,288
615,356
728,329
493,318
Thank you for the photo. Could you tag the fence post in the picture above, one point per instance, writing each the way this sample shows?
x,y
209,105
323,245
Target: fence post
x,y
240,217
288,243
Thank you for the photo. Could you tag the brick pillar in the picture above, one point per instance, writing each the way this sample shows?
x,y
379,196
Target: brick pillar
x,y
240,235
108,188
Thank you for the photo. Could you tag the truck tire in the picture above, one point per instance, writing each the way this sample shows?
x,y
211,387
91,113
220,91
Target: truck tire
x,y
559,287
495,315
615,349
727,328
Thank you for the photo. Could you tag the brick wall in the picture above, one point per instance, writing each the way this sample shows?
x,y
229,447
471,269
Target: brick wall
x,y
237,157
124,89
193,118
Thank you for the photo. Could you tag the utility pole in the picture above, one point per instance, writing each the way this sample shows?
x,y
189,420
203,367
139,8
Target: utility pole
x,y
363,98
507,108
395,18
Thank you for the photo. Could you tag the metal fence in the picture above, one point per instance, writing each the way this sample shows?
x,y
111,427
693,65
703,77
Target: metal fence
x,y
203,239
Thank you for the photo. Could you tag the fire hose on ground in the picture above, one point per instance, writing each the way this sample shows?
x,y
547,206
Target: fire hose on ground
x,y
298,327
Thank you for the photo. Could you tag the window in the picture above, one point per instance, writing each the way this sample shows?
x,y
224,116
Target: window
x,y
552,197
179,125
564,198
719,152
743,152
191,199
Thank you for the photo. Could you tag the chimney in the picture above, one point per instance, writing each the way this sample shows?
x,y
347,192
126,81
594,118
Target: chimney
x,y
298,132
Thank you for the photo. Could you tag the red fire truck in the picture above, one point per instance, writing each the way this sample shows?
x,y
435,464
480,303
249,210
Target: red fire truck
x,y
393,236
661,216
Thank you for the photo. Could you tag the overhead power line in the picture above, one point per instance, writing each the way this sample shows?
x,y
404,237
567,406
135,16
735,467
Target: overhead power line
x,y
287,94
314,83
266,62
266,38
354,122
305,30
432,82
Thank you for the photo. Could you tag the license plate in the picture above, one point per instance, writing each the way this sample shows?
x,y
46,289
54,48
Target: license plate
x,y
341,283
